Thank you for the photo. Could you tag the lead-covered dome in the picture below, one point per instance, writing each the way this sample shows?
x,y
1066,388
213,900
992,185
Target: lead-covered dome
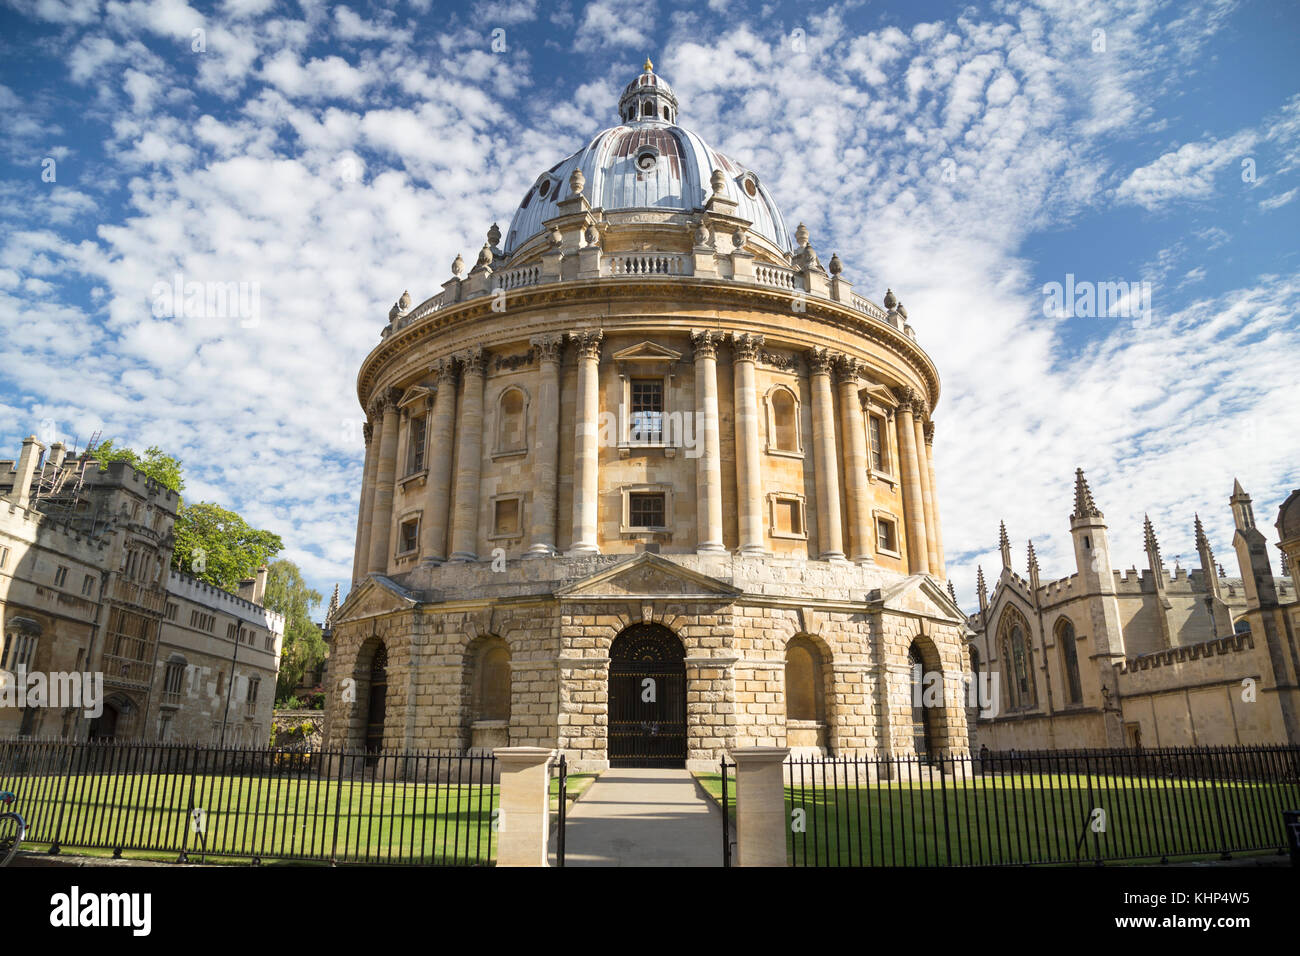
x,y
648,162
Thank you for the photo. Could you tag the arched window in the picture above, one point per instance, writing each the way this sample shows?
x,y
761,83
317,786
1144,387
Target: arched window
x,y
1069,660
804,693
376,700
782,420
491,687
1017,661
924,714
21,635
512,421
665,112
647,108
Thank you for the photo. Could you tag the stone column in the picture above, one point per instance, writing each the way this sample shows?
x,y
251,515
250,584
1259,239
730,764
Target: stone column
x,y
524,818
708,466
586,445
935,526
854,427
922,412
550,349
381,522
361,555
825,459
469,456
438,457
749,476
761,820
913,497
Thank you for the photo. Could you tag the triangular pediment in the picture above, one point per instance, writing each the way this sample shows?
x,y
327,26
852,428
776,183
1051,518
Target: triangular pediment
x,y
647,352
374,596
922,595
648,576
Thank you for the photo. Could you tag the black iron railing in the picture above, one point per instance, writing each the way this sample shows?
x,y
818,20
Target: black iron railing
x,y
198,802
1040,807
728,808
560,796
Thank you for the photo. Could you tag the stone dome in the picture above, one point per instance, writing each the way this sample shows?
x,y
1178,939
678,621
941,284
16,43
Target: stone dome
x,y
648,162
1288,517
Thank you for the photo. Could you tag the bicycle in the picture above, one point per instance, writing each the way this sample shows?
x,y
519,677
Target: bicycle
x,y
13,829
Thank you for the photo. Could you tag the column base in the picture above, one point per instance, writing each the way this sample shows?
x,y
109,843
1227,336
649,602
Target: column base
x,y
462,557
711,548
581,550
756,550
432,562
540,551
833,556
864,559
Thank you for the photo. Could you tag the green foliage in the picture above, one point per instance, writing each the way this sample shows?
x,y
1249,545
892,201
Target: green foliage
x,y
304,648
220,547
161,467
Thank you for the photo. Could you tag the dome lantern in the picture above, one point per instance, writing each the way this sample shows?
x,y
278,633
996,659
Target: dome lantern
x,y
648,99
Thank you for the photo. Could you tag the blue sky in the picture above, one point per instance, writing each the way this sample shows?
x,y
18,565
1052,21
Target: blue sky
x,y
963,155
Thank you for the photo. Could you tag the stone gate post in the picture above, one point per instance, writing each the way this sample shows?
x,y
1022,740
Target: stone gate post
x,y
761,820
525,817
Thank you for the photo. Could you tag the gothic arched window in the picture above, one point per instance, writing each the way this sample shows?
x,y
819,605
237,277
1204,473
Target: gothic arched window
x,y
1069,660
1017,661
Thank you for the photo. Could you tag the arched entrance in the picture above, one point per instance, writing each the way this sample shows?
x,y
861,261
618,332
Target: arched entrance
x,y
923,717
647,698
376,700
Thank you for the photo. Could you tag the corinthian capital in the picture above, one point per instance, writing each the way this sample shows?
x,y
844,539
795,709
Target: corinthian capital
x,y
444,371
820,361
929,433
367,431
907,398
745,347
549,348
920,407
705,342
588,343
474,361
847,369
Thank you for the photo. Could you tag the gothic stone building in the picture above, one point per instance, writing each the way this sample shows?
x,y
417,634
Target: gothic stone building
x,y
85,586
647,482
1106,658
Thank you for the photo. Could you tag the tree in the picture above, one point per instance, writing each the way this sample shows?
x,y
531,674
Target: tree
x,y
303,648
159,466
220,547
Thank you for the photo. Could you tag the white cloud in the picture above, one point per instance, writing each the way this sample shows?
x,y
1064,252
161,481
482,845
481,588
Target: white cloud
x,y
616,23
1281,199
1188,172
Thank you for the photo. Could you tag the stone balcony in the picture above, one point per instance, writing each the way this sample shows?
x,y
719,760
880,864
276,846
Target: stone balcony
x,y
592,263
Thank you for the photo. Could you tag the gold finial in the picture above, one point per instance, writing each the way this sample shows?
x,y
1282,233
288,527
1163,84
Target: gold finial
x,y
649,67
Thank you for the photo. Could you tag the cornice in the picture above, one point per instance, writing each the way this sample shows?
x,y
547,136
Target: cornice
x,y
705,293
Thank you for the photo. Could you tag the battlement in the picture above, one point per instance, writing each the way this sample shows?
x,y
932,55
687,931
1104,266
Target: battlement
x,y
1241,641
190,588
52,532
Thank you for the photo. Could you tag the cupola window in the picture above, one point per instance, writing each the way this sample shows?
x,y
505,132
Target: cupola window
x,y
647,160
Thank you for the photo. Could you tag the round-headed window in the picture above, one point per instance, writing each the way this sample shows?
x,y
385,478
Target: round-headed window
x,y
544,188
647,160
751,187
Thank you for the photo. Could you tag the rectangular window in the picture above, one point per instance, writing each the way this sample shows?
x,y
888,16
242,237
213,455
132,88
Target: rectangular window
x,y
171,611
164,726
415,463
409,536
253,685
60,577
87,585
505,517
787,516
646,510
4,557
647,422
232,631
886,535
879,460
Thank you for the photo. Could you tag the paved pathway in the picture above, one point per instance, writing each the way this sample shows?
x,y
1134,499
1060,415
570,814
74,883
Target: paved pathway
x,y
644,818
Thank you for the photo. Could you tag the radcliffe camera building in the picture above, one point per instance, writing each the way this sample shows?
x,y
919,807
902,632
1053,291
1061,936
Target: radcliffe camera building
x,y
86,586
647,481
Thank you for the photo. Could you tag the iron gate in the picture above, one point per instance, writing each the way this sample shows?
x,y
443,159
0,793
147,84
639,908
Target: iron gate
x,y
647,698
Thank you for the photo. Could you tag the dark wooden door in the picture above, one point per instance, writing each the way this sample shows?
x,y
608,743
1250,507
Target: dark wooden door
x,y
376,703
647,698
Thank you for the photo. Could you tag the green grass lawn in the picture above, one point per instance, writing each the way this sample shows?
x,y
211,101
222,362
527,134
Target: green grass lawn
x,y
1031,818
265,817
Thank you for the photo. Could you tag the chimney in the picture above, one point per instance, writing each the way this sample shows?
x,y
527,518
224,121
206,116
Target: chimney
x,y
246,587
26,471
58,452
259,589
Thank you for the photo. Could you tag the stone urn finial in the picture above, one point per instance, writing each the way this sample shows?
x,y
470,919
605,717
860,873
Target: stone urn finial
x,y
404,303
738,238
902,310
494,235
890,300
702,234
458,266
718,181
836,267
485,255
801,235
577,181
557,237
593,235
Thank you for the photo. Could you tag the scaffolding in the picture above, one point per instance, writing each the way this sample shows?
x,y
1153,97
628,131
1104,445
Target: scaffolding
x,y
59,488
